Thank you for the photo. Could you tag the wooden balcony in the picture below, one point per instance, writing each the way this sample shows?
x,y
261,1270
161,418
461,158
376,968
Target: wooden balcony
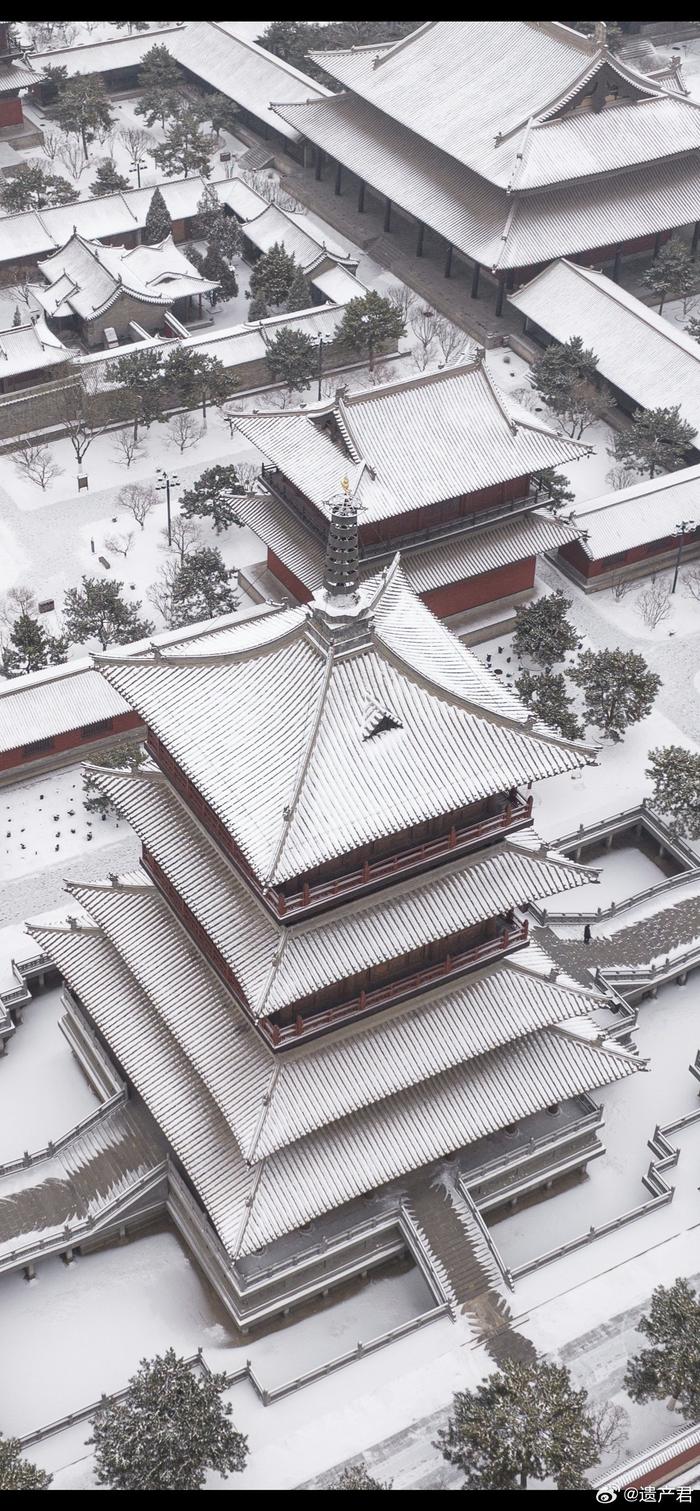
x,y
302,1030
404,863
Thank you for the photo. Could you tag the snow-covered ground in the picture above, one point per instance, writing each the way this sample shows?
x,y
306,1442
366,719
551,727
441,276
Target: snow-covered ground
x,y
44,820
668,1037
43,1091
621,873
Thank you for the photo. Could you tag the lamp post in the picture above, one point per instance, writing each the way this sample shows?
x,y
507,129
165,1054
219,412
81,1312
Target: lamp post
x,y
680,531
367,320
321,343
137,165
166,481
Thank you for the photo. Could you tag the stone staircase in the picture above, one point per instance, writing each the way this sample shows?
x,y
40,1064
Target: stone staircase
x,y
83,1186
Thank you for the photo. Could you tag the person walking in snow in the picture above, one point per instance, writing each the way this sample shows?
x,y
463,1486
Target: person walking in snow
x,y
587,934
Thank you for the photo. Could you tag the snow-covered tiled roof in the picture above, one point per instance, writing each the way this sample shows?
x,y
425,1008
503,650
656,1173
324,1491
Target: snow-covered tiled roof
x,y
85,277
638,351
242,70
28,348
636,516
409,443
296,233
273,736
277,964
104,57
497,229
336,1120
64,699
472,89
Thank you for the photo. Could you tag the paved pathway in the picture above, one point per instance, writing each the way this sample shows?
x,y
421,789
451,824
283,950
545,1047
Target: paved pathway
x,y
636,945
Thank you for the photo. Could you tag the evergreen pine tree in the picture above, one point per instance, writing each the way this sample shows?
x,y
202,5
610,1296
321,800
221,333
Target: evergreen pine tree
x,y
127,756
618,689
213,497
272,276
158,224
542,630
16,1473
299,296
30,648
368,323
546,695
214,265
292,358
17,318
672,275
524,1424
202,588
97,610
658,440
671,1367
168,1431
675,773
357,1477
160,83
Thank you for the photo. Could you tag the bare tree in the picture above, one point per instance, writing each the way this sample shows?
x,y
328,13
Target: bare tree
x,y
620,477
70,153
185,431
79,414
36,462
268,188
162,591
691,582
184,533
120,544
610,1426
620,586
18,600
247,474
451,340
401,299
53,141
137,142
139,499
21,288
126,449
654,605
586,405
422,324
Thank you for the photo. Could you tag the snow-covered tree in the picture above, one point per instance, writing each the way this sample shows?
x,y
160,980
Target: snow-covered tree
x,y
139,499
292,358
565,368
215,226
672,274
523,1425
213,496
30,648
658,440
618,689
558,488
542,630
671,1366
97,610
109,180
127,756
675,773
546,695
272,276
194,378
31,188
357,1477
368,323
158,224
16,1473
299,296
215,267
141,376
160,83
186,148
82,108
203,587
171,1428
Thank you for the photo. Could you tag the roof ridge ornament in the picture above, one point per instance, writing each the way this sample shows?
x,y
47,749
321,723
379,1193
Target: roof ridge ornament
x,y
601,34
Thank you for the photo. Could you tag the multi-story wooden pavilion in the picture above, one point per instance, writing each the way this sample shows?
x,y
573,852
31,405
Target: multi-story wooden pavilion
x,y
321,984
436,465
514,141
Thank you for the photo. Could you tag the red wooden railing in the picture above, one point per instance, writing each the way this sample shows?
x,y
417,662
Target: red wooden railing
x,y
371,1001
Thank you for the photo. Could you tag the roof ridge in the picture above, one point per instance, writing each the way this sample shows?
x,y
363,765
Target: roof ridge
x,y
299,779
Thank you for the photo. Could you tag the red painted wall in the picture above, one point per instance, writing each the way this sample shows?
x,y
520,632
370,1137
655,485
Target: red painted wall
x,y
11,112
70,739
488,586
574,553
293,583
